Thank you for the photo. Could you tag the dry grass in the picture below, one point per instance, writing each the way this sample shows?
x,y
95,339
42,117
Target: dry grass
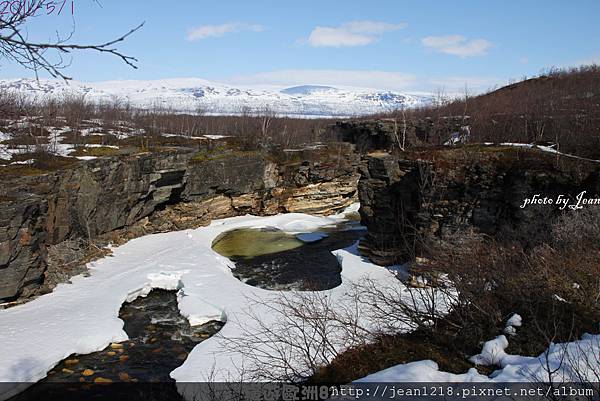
x,y
389,351
43,164
221,154
96,151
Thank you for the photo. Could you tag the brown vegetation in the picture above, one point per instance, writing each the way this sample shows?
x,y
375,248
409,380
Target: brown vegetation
x,y
559,106
554,286
156,126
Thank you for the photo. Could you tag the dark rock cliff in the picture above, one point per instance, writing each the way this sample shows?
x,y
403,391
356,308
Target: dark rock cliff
x,y
412,198
392,133
46,218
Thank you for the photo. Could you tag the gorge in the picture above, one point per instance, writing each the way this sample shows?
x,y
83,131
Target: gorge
x,y
49,223
55,223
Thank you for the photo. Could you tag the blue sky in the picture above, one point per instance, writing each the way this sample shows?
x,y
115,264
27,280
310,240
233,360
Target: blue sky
x,y
399,45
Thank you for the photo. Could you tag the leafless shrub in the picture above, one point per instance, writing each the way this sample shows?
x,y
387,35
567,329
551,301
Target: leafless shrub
x,y
578,229
296,334
584,359
555,287
575,365
13,104
558,106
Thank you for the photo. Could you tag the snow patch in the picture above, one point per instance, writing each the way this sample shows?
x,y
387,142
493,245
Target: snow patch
x,y
515,320
82,316
492,352
575,361
420,371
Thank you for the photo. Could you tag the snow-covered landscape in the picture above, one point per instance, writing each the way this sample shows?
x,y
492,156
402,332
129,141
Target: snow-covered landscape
x,y
82,316
195,95
300,201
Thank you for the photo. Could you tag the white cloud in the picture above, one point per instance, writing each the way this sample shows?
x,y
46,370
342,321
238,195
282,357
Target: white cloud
x,y
457,45
216,31
354,33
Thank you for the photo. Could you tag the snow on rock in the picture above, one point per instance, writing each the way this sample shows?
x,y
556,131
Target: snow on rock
x,y
492,352
401,271
29,161
569,362
512,323
547,149
96,145
353,208
420,371
215,137
515,320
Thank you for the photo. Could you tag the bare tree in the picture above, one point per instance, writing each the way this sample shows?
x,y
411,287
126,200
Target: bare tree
x,y
297,333
15,45
266,118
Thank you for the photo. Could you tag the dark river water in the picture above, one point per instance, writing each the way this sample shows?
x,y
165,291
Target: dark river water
x,y
271,259
160,338
159,341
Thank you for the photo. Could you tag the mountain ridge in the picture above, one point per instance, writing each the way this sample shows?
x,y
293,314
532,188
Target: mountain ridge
x,y
199,95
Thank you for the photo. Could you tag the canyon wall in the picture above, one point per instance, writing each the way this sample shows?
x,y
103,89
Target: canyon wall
x,y
49,223
443,194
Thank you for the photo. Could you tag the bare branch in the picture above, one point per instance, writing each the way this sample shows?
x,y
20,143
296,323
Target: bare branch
x,y
16,46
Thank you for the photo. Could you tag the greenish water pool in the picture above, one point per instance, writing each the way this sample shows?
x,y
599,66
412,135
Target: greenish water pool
x,y
251,242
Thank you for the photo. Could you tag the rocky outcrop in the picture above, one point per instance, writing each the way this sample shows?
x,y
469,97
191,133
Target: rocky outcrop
x,y
368,135
411,199
389,134
48,222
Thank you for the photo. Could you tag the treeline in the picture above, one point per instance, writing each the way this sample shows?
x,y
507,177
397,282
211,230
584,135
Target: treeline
x,y
561,106
250,130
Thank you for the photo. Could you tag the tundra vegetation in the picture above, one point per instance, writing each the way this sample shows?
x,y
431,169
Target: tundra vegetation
x,y
560,106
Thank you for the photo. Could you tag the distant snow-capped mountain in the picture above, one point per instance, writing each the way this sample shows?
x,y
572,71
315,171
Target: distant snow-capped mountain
x,y
193,95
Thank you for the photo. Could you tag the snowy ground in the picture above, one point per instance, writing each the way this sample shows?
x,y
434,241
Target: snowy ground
x,y
58,145
577,361
547,149
82,317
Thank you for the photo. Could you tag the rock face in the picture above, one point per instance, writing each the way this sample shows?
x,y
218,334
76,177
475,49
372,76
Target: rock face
x,y
47,222
416,197
371,134
389,133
